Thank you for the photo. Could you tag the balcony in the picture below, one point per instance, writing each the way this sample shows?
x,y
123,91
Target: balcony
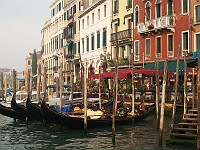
x,y
155,25
122,35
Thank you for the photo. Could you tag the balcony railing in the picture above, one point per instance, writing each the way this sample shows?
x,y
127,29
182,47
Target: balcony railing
x,y
125,34
69,56
156,24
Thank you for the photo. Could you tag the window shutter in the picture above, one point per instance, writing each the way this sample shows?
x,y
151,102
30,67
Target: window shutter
x,y
98,40
74,27
78,47
74,48
74,9
64,15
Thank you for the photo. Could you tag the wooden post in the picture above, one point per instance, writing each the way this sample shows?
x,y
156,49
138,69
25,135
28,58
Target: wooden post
x,y
5,86
163,104
31,84
72,85
2,88
185,85
38,82
157,93
133,88
14,84
57,87
28,82
44,83
193,89
198,107
61,85
85,96
99,86
116,86
176,88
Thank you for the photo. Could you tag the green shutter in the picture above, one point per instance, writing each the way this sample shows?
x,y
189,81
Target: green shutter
x,y
79,47
74,27
74,48
92,42
104,37
98,40
87,43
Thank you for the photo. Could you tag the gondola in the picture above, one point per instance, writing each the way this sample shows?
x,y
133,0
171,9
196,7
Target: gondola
x,y
34,110
9,112
22,110
78,122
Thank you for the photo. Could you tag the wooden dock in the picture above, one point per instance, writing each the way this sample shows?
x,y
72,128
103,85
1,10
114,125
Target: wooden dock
x,y
185,132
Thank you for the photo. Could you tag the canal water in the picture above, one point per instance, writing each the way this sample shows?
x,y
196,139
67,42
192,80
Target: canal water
x,y
143,136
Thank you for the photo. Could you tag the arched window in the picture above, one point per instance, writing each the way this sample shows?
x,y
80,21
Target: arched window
x,y
148,9
158,8
136,15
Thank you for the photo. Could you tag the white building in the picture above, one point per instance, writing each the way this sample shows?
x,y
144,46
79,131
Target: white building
x,y
52,40
95,31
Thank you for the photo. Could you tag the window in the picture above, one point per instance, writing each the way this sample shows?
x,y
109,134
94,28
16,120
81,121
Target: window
x,y
104,10
79,47
184,6
29,62
170,6
185,38
92,42
116,6
74,9
158,45
92,18
87,43
136,50
148,47
170,43
98,14
65,16
197,13
74,48
87,21
79,5
197,42
129,24
147,11
136,15
104,37
83,45
98,39
83,24
129,4
74,28
158,8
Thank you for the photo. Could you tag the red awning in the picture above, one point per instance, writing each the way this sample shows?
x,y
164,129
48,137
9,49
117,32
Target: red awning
x,y
190,72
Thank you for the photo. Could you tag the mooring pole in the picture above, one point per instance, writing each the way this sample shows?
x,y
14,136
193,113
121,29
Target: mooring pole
x,y
99,86
185,85
2,86
44,87
198,107
176,88
157,93
163,103
61,85
115,86
85,96
38,82
14,85
193,90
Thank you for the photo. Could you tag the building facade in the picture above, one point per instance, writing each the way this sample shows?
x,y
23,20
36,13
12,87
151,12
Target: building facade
x,y
195,25
160,26
95,32
52,41
122,31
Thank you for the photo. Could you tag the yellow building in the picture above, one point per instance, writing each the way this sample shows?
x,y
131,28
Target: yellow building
x,y
122,31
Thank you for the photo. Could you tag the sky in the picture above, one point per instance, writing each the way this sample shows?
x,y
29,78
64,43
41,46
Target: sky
x,y
21,22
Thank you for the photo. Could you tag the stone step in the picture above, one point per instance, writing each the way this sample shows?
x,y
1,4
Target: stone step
x,y
193,111
187,124
185,129
182,141
190,115
179,135
189,119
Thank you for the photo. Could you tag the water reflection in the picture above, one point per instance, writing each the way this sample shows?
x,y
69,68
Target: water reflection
x,y
16,135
